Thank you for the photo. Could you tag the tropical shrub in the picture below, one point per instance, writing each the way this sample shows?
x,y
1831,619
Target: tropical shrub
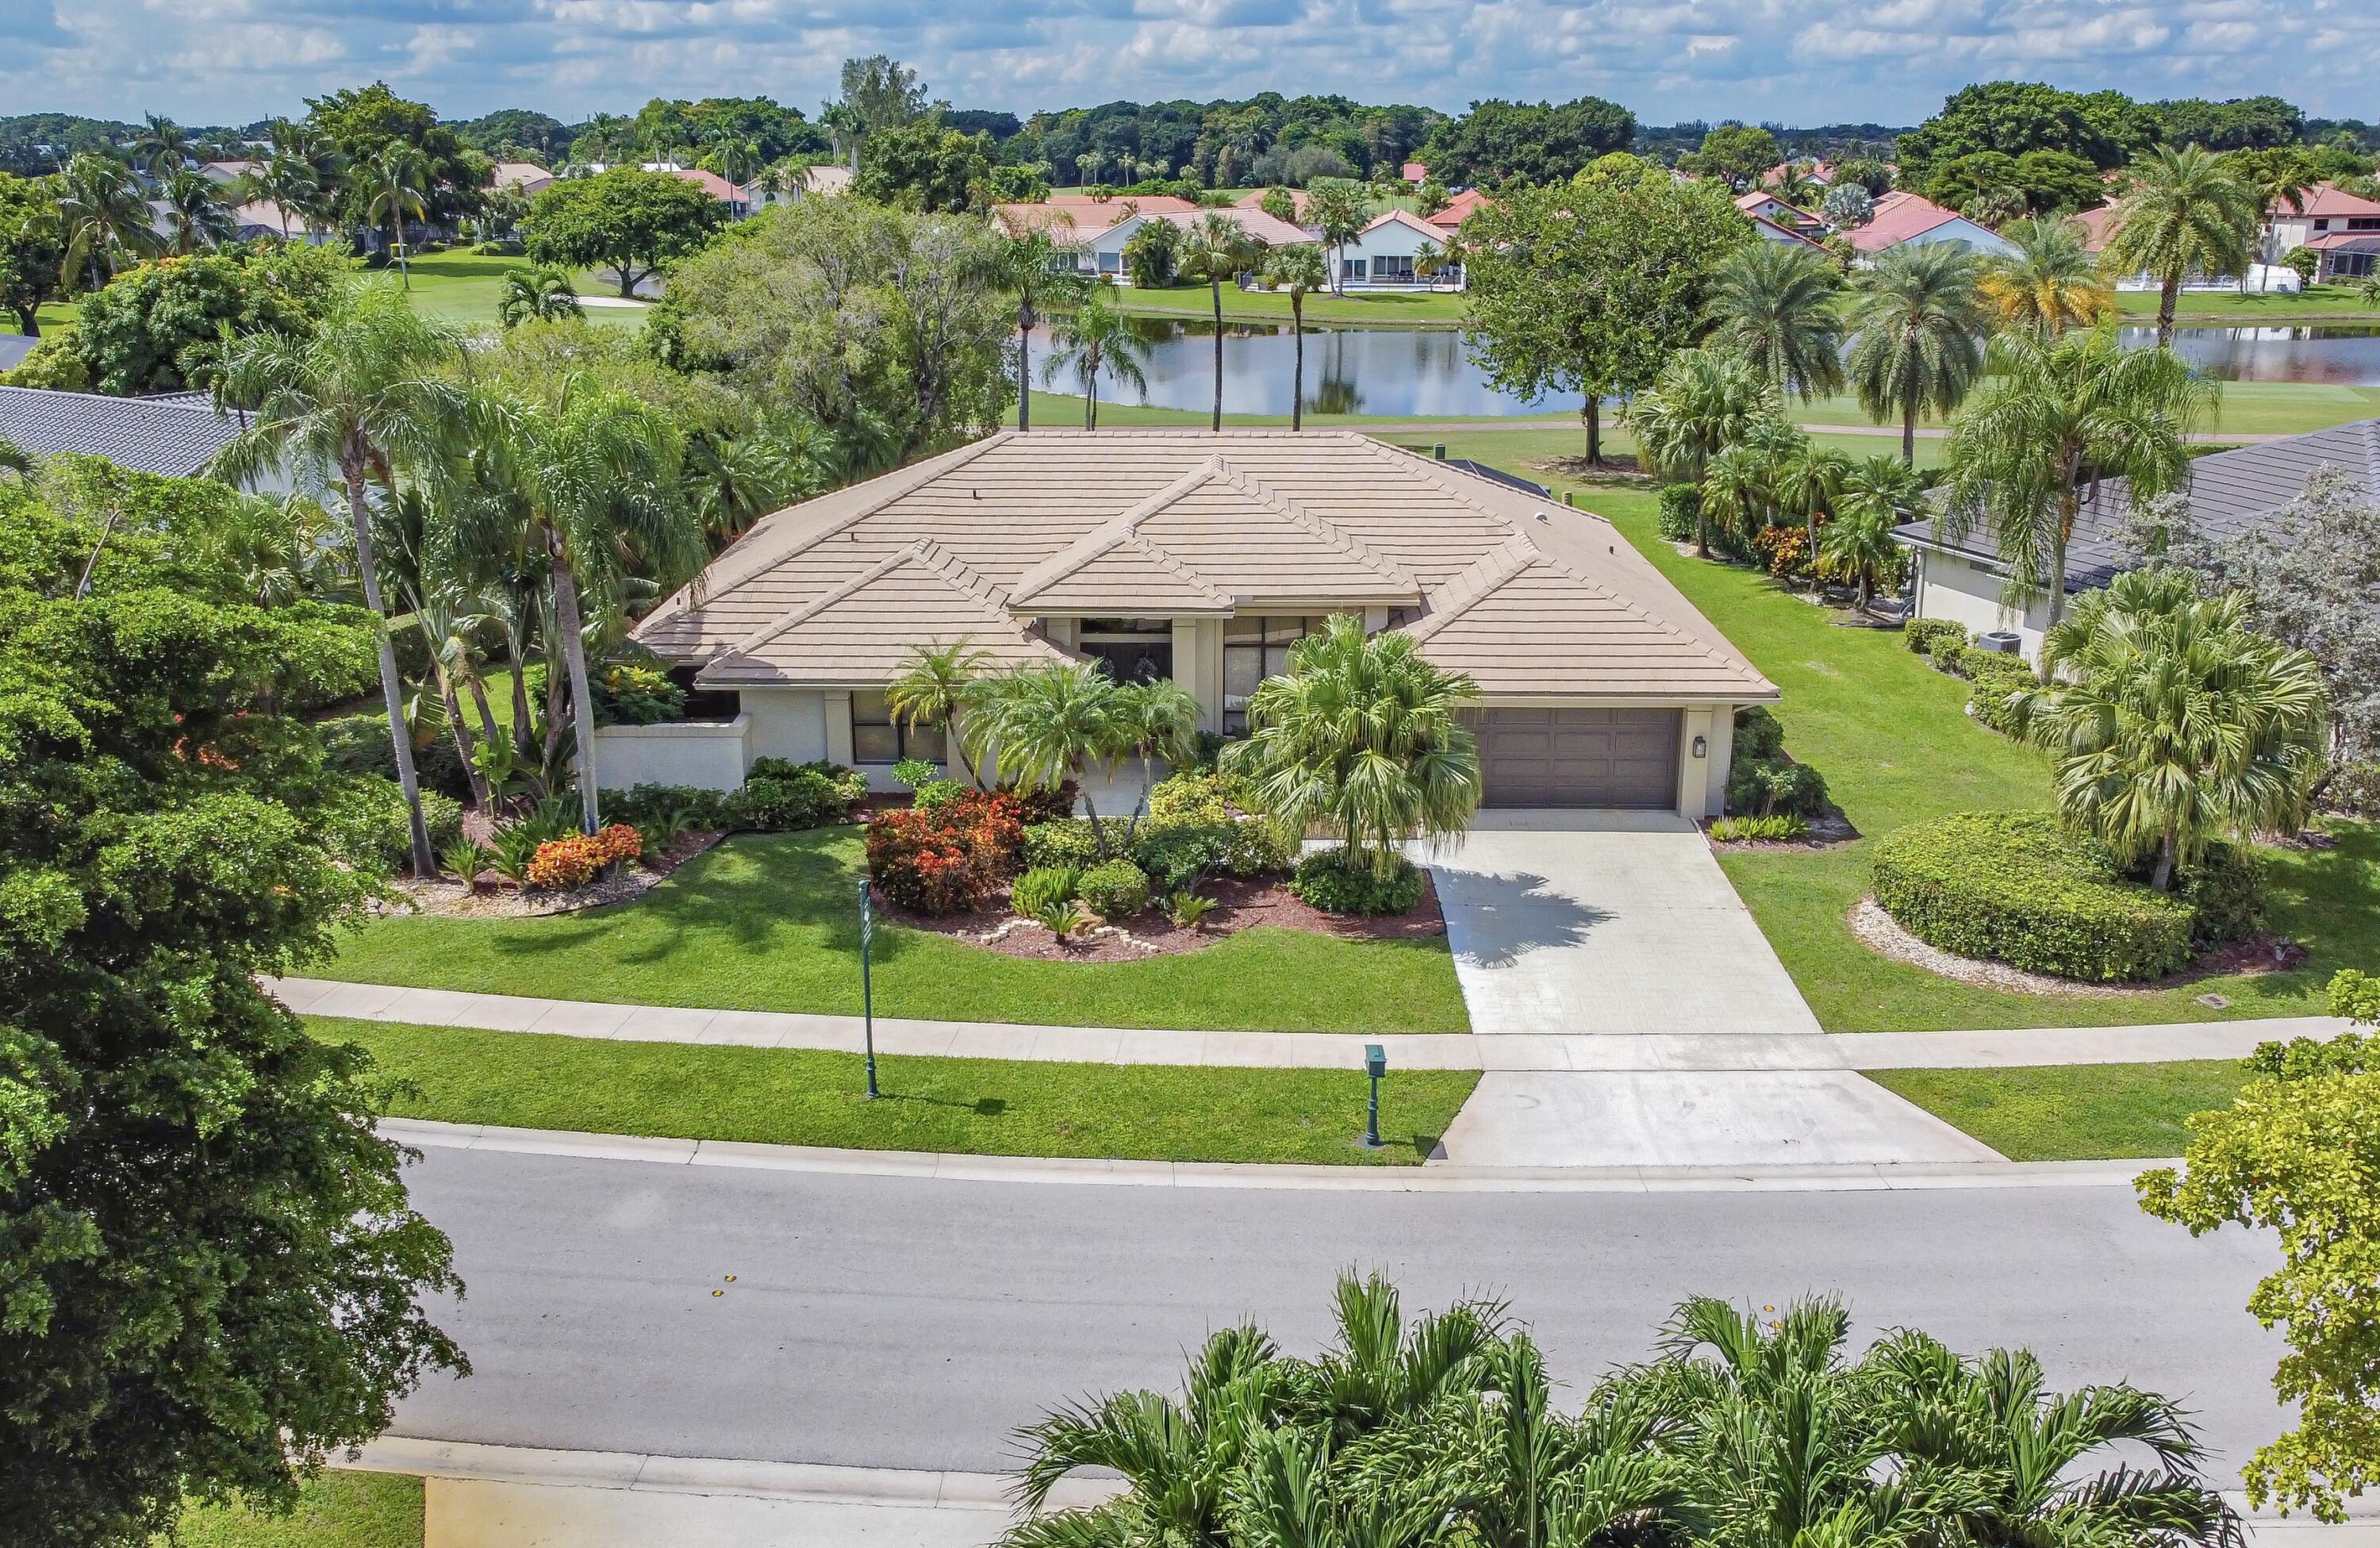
x,y
1922,635
1180,854
2225,891
1768,787
1337,882
1759,734
1776,829
938,792
465,860
364,821
1196,796
1258,849
628,694
2018,888
947,860
780,794
1068,841
561,863
1043,888
1116,890
1998,679
913,772
1681,514
1785,550
1052,805
360,744
645,806
1187,909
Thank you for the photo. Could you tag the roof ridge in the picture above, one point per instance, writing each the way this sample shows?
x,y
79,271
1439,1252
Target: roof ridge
x,y
915,549
1117,529
1172,565
1434,471
1315,523
1476,581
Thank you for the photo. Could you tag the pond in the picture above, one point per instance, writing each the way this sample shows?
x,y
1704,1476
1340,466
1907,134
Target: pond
x,y
1429,373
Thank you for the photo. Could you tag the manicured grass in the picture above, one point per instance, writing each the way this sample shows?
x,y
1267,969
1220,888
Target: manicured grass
x,y
465,287
1892,737
336,1509
2247,409
2072,1112
767,923
1400,309
963,1106
2316,303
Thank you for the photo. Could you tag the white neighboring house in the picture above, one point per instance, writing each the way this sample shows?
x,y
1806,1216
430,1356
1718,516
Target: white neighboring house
x,y
1903,218
1778,221
823,181
1393,252
1102,228
262,219
2341,226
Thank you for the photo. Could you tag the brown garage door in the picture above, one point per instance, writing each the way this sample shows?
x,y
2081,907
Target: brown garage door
x,y
1597,758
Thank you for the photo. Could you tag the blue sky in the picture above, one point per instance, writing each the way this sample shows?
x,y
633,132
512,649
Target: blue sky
x,y
1799,61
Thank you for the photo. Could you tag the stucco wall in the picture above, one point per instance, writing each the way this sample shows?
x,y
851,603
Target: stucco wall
x,y
786,724
1951,587
710,755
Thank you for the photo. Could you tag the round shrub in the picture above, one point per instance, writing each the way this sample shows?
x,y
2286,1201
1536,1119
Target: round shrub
x,y
1257,848
1044,888
1996,677
1923,635
574,861
1681,512
1327,881
1759,735
947,860
2017,887
780,794
364,821
2225,890
1178,855
1117,890
1068,841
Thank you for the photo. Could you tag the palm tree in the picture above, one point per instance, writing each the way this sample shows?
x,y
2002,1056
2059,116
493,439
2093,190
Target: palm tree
x,y
1736,491
1154,720
1297,269
1040,269
104,219
1809,480
363,396
732,481
1037,726
162,146
2175,722
1381,1369
2053,419
196,218
1877,494
543,292
1366,737
1777,301
593,473
1917,321
284,178
1335,207
1703,401
2183,212
2051,283
2276,178
1216,250
935,689
1097,337
399,182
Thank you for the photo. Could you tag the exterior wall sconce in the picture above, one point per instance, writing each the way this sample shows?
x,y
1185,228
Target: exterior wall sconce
x,y
1702,747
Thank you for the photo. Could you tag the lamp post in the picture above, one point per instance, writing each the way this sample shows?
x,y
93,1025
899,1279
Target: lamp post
x,y
866,995
1376,1064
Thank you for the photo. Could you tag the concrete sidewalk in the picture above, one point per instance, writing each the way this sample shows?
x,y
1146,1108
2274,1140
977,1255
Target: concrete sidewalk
x,y
1581,1052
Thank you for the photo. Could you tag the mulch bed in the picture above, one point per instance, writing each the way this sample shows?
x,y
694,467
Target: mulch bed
x,y
445,898
1883,933
1830,832
1239,905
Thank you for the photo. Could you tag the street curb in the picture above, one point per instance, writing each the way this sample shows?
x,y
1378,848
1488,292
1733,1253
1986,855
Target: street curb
x,y
928,1166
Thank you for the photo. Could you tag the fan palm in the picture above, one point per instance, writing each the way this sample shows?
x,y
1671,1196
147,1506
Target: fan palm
x,y
936,688
543,293
104,219
1216,250
2175,722
363,396
195,217
1298,270
1364,736
2051,281
2053,418
1809,483
1917,323
399,181
2183,213
1776,302
1040,270
1703,401
1877,494
1093,339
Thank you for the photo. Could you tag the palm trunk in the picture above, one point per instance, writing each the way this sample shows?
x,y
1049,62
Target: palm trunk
x,y
1091,396
488,731
523,720
1025,365
462,734
582,704
2168,849
1909,433
2168,297
391,690
1215,289
1099,833
1297,379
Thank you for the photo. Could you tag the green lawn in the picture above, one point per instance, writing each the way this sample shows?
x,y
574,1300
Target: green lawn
x,y
963,1106
2072,1112
336,1509
766,922
1891,736
2247,409
464,287
1380,309
2343,303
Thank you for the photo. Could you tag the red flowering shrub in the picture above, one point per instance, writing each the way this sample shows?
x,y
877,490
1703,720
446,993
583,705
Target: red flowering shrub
x,y
949,857
1787,550
1045,806
579,858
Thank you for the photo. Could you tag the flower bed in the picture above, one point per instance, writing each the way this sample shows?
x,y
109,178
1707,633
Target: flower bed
x,y
948,858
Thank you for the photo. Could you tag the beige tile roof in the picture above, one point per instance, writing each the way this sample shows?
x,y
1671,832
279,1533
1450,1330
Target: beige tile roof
x,y
1534,600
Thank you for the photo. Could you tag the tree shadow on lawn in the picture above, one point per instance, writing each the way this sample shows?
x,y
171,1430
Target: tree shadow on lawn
x,y
1502,919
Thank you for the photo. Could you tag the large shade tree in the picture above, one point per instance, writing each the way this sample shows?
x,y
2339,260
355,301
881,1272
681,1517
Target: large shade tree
x,y
1917,324
626,220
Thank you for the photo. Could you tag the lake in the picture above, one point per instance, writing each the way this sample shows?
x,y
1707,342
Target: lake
x,y
1429,373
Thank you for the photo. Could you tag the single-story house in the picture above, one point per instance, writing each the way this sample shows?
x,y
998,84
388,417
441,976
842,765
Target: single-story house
x,y
1415,172
1199,556
1393,252
1767,210
826,180
1299,200
525,176
172,433
223,172
260,219
1458,209
1102,228
2229,492
2343,227
1821,172
1902,217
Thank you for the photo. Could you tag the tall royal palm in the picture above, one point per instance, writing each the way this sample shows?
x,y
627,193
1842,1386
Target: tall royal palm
x,y
104,219
162,146
196,217
1039,271
2183,213
2051,283
1917,324
2175,722
2052,418
362,397
593,477
1298,270
398,188
1780,303
1217,251
1703,401
1096,339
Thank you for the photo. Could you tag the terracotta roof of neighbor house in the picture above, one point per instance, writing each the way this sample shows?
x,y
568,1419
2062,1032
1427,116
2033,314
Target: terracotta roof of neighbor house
x,y
1530,597
1398,216
1254,199
173,434
2230,493
1085,217
2331,201
1414,172
1899,215
710,183
1458,208
2098,227
1271,230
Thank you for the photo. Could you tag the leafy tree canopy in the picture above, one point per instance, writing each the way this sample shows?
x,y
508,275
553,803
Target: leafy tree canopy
x,y
32,243
515,133
151,328
623,220
1735,154
361,123
2239,124
2105,128
208,1270
922,165
1499,142
1221,144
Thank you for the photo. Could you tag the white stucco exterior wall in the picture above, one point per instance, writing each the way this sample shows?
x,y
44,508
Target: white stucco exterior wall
x,y
1956,589
787,724
709,755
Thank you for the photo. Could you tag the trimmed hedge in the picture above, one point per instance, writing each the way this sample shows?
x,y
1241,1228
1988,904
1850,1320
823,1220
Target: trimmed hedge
x,y
1994,677
1923,635
1328,882
1066,843
2017,887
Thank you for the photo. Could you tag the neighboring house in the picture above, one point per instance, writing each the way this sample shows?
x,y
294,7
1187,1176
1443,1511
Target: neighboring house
x,y
1821,172
1395,252
1458,209
1902,217
260,219
1299,200
714,185
1414,172
800,183
221,172
1100,228
2341,226
1767,210
14,348
172,433
2229,492
1200,557
2099,226
525,176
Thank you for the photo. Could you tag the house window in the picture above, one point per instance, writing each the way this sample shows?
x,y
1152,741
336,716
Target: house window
x,y
2321,225
1132,649
1351,268
1111,263
2364,223
1393,267
877,738
1254,649
2350,266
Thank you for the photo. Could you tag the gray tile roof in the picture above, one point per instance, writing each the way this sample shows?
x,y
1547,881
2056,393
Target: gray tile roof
x,y
173,434
14,348
2229,492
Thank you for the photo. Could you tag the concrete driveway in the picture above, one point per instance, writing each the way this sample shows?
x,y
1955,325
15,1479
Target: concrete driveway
x,y
1575,924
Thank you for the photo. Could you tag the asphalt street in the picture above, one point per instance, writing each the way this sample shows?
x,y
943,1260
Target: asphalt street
x,y
903,1323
